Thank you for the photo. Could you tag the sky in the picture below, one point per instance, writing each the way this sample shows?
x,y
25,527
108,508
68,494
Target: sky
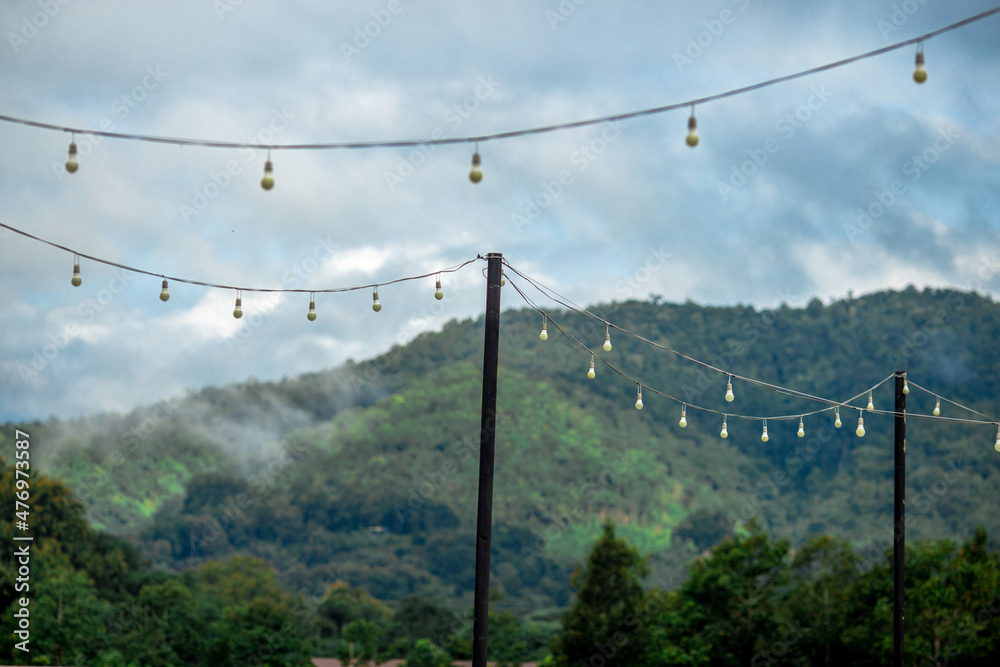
x,y
855,179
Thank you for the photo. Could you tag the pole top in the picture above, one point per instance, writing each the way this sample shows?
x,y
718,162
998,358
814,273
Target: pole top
x,y
494,255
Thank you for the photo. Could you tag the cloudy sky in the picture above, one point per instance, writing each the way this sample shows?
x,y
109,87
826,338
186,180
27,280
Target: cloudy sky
x,y
854,179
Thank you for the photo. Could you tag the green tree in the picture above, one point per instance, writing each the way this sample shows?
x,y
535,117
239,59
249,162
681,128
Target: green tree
x,y
603,625
426,653
261,632
363,639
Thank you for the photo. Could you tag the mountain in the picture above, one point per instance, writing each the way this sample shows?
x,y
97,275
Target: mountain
x,y
367,473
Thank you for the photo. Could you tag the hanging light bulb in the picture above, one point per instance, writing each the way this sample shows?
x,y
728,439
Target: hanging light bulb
x,y
684,417
71,162
164,293
438,293
997,445
503,279
725,430
937,408
607,339
638,400
311,315
920,73
376,304
76,279
906,387
591,373
692,135
871,404
836,421
763,435
476,173
729,390
802,429
238,309
267,182
544,335
861,426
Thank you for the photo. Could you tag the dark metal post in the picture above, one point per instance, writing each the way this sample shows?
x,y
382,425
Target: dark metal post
x,y
899,524
487,440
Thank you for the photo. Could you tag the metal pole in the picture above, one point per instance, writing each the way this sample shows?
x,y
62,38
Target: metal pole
x,y
899,524
487,441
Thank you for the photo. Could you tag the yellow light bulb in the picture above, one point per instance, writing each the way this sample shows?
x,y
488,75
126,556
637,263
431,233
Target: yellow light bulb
x,y
692,135
238,310
638,400
544,335
937,408
729,392
725,430
763,436
997,445
591,373
607,342
76,279
376,304
871,405
476,174
802,429
438,294
267,182
861,427
71,162
684,419
836,421
906,387
311,315
503,279
920,73
164,293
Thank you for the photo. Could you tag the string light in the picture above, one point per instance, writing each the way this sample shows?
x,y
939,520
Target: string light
x,y
937,408
802,430
638,400
591,373
238,308
906,387
607,339
871,404
684,417
164,292
836,421
997,445
729,390
311,315
861,425
267,182
438,292
476,173
376,304
71,162
725,427
763,435
544,335
920,73
692,135
76,279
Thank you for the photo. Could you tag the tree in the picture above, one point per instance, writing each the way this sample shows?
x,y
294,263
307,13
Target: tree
x,y
426,653
363,638
262,632
603,626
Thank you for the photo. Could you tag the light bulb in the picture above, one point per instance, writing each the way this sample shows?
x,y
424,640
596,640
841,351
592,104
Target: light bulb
x,y
476,174
763,435
836,421
920,73
638,400
503,279
997,445
164,293
238,310
267,182
861,427
376,304
311,315
802,429
906,387
684,417
729,392
76,280
544,335
692,135
937,408
591,373
438,294
607,341
725,431
871,405
71,162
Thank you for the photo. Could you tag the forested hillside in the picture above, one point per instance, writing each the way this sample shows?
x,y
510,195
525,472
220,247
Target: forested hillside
x,y
366,473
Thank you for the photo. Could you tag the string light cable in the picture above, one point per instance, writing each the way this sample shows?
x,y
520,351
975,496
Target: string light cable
x,y
920,75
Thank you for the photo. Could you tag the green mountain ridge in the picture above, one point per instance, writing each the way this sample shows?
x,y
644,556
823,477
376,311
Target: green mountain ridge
x,y
367,473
